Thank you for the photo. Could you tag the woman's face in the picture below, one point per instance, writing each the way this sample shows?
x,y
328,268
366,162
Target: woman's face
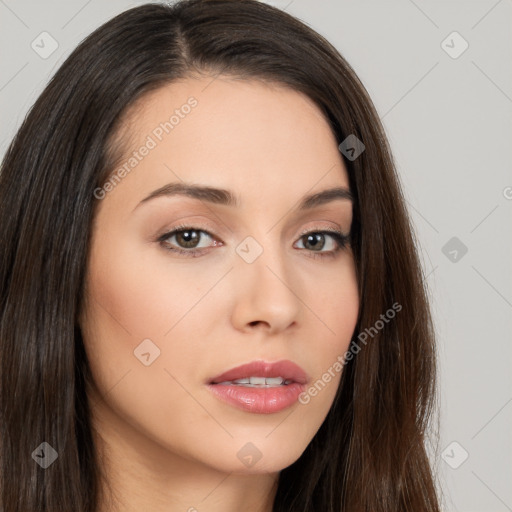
x,y
167,313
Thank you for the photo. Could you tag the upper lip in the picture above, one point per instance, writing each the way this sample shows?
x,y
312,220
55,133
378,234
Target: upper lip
x,y
285,369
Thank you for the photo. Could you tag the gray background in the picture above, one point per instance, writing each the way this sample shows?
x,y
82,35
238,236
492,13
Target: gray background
x,y
448,118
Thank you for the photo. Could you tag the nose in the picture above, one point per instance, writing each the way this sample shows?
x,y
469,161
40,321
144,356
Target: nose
x,y
266,295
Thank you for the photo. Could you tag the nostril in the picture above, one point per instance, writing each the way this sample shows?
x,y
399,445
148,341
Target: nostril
x,y
257,322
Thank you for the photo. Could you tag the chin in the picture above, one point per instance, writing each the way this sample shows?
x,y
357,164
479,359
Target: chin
x,y
260,456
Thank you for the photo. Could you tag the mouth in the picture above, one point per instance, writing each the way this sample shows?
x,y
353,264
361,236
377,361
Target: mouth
x,y
257,382
260,387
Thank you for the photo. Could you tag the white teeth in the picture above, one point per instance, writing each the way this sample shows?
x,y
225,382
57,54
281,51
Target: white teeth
x,y
258,382
275,381
242,381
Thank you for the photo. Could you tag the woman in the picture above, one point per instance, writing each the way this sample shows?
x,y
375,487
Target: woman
x,y
210,292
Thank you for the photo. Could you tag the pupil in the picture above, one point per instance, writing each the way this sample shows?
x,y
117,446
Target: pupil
x,y
316,239
191,238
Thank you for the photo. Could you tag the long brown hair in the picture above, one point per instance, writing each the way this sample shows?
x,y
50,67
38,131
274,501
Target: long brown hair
x,y
369,454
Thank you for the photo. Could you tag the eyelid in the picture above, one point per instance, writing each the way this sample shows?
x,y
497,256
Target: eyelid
x,y
316,229
199,225
209,230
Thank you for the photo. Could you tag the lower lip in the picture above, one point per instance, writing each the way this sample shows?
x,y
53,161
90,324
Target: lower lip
x,y
258,400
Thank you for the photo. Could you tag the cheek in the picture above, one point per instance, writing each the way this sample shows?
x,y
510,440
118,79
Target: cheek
x,y
142,290
335,304
337,309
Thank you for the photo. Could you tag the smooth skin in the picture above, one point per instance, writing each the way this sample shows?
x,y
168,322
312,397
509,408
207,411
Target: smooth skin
x,y
166,442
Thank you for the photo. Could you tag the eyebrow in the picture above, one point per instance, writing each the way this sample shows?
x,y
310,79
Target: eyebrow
x,y
227,198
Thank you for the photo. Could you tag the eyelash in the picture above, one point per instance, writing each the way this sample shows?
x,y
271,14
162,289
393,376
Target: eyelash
x,y
341,240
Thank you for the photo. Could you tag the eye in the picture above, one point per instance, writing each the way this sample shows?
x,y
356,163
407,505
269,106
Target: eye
x,y
315,241
185,240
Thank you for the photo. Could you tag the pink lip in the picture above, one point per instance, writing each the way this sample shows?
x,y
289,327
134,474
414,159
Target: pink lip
x,y
261,400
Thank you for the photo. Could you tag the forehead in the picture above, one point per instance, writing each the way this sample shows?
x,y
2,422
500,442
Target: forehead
x,y
253,137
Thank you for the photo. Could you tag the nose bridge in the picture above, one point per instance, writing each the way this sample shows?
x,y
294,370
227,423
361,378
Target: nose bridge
x,y
262,254
267,293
